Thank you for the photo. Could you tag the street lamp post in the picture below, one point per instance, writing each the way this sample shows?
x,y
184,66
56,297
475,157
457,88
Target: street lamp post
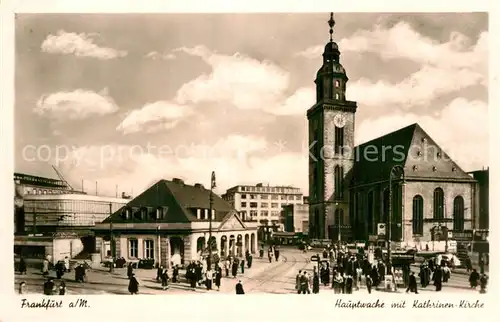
x,y
111,239
211,201
389,216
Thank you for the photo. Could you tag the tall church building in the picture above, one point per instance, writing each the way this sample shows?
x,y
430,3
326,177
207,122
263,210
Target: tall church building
x,y
331,138
430,197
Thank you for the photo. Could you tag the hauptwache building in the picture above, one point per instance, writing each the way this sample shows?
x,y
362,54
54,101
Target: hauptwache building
x,y
349,185
169,222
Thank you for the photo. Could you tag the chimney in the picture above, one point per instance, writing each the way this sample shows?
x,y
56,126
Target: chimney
x,y
198,185
177,180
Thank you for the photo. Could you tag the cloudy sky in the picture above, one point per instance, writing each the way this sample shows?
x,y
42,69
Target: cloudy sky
x,y
128,99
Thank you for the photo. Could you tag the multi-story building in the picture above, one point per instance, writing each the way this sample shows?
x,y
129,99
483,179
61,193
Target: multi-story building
x,y
262,203
296,218
481,221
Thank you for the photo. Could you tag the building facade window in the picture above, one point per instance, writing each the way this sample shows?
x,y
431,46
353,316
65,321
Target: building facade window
x,y
253,197
264,197
133,248
243,204
243,196
338,182
458,213
438,204
253,205
274,205
149,250
339,140
263,213
264,205
418,215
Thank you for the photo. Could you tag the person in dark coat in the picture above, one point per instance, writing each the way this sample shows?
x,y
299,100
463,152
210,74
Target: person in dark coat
x,y
175,274
249,261
412,283
431,265
276,253
60,269
234,269
242,266
130,270
369,283
315,283
62,288
192,277
438,278
22,266
481,265
473,278
49,287
239,288
483,281
164,278
468,264
375,276
348,284
133,285
159,271
218,278
261,251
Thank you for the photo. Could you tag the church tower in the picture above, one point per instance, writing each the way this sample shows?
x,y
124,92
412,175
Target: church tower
x,y
331,148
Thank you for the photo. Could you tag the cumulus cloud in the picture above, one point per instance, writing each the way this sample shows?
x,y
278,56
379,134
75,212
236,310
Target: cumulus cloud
x,y
154,117
78,104
445,67
243,81
82,45
154,55
460,129
235,159
419,88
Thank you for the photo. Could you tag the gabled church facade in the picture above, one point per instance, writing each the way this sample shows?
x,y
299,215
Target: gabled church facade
x,y
169,222
348,185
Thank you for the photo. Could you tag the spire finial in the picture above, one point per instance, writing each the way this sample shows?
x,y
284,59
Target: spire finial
x,y
331,23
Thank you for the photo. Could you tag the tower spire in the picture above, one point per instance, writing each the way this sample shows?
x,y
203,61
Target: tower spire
x,y
331,23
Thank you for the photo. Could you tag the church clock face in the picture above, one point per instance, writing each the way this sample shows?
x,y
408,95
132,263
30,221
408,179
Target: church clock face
x,y
339,120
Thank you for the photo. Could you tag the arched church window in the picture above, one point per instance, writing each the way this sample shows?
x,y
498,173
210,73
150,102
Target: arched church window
x,y
337,83
438,204
418,215
458,213
339,140
337,96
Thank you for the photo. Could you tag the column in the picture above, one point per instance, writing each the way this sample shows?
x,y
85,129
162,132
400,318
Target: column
x,y
188,243
165,251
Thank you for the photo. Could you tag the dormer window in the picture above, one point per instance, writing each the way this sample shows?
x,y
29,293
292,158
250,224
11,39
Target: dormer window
x,y
419,153
159,213
213,214
198,213
128,213
424,140
454,169
143,213
438,155
205,216
434,169
415,168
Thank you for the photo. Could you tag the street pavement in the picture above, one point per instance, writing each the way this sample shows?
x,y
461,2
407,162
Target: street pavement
x,y
277,277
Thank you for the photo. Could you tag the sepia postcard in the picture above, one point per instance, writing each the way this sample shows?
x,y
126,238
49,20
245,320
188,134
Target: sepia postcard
x,y
340,155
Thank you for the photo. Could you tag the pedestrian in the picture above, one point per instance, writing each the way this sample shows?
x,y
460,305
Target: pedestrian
x,y
468,264
261,251
249,260
276,253
22,287
60,269
297,281
348,284
242,265
446,273
49,287
218,277
164,278
133,285
481,264
304,284
208,279
369,283
483,282
239,288
62,288
192,276
175,274
22,266
227,265
438,278
234,269
412,283
315,282
66,264
159,271
473,279
45,267
130,270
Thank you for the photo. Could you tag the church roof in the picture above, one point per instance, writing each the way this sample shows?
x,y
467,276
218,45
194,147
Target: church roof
x,y
410,147
178,199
